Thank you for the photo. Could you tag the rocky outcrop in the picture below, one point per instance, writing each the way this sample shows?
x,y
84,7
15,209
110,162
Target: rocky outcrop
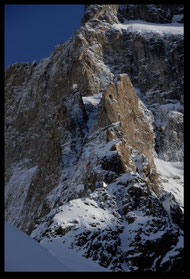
x,y
107,13
82,130
155,65
159,13
120,105
39,121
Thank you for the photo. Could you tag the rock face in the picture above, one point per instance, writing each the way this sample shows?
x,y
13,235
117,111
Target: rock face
x,y
160,13
82,131
120,105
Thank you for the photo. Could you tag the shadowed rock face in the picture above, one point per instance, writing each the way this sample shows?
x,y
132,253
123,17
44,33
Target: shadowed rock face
x,y
82,129
159,13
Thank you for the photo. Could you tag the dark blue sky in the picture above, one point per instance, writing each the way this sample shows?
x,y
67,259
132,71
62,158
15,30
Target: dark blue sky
x,y
32,31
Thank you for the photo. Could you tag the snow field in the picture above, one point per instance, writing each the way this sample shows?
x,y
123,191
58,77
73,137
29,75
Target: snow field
x,y
22,253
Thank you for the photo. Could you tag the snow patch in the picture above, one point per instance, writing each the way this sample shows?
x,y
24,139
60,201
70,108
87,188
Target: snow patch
x,y
171,175
91,105
93,100
142,27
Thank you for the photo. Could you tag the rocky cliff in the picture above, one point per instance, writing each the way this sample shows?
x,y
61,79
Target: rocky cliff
x,y
94,140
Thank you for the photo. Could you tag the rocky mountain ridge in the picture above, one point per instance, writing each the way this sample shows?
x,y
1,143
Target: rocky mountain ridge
x,y
85,132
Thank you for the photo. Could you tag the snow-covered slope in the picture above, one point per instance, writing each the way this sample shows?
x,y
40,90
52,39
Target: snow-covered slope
x,y
22,253
114,226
